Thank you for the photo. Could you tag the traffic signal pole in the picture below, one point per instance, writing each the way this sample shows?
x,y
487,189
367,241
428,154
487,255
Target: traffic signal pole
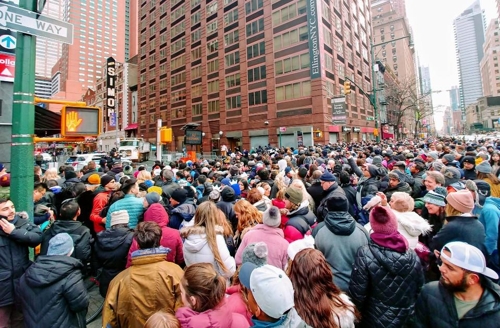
x,y
23,120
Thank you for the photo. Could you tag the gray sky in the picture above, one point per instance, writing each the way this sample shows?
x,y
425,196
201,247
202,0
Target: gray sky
x,y
432,24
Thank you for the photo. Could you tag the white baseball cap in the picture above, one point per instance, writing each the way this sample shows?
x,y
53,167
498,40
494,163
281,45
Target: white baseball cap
x,y
467,257
270,287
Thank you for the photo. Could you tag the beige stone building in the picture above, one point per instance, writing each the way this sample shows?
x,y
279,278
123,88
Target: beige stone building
x,y
490,72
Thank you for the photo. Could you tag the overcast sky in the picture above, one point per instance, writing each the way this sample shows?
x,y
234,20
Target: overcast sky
x,y
432,24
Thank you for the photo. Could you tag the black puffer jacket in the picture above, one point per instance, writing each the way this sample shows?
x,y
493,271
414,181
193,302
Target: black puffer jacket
x,y
14,255
78,232
52,293
321,209
111,249
401,187
436,308
384,285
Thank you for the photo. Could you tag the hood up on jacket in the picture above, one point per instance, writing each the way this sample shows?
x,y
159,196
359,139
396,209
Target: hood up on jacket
x,y
156,213
49,269
111,239
68,226
196,237
340,223
411,225
493,201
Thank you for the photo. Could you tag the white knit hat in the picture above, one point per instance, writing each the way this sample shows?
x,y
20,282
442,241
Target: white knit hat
x,y
119,217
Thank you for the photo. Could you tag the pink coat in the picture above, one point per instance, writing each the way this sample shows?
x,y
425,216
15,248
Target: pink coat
x,y
277,246
215,318
236,304
170,238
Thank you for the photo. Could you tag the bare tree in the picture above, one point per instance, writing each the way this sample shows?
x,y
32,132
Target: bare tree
x,y
405,101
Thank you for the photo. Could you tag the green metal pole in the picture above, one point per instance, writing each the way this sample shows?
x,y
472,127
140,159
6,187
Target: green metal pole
x,y
374,91
23,120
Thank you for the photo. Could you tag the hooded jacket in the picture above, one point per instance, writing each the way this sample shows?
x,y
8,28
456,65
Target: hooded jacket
x,y
339,237
111,249
435,307
490,218
219,317
133,294
197,250
170,238
276,244
401,187
180,213
384,285
52,293
235,303
78,232
14,255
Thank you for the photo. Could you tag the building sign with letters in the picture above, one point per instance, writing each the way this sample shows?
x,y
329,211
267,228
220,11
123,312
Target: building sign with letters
x,y
111,90
314,42
339,116
193,137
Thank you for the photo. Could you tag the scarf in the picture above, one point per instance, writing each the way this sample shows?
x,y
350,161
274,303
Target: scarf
x,y
395,241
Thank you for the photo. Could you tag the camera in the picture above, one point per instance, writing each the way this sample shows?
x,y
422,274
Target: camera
x,y
266,122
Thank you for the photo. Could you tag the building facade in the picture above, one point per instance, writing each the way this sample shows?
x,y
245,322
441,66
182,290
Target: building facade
x,y
469,39
246,70
43,87
99,33
489,109
454,98
490,72
49,51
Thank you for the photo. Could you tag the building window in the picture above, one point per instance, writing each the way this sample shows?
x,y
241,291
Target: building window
x,y
194,3
231,17
257,73
212,8
196,91
195,18
213,86
195,72
233,102
292,64
233,80
290,38
231,37
179,12
253,5
178,45
195,35
196,53
211,27
293,91
178,62
256,50
213,66
178,95
213,106
177,29
178,79
327,35
178,112
196,109
255,27
257,98
232,59
327,15
212,46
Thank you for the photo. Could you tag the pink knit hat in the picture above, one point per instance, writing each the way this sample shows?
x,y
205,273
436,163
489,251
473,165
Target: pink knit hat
x,y
383,221
461,200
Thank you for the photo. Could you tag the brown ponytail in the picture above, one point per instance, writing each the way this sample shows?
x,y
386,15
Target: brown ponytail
x,y
203,283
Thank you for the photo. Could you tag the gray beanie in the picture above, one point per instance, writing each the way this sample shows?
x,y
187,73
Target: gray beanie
x,y
484,167
272,217
61,244
433,154
449,158
152,198
377,160
255,253
168,175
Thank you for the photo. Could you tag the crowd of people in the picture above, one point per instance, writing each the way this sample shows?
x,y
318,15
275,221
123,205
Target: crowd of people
x,y
401,234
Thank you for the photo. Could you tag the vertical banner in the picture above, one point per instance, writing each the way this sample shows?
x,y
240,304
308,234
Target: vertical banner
x,y
300,139
111,90
339,116
314,44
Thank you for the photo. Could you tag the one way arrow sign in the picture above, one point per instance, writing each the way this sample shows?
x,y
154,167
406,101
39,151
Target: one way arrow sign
x,y
29,22
8,41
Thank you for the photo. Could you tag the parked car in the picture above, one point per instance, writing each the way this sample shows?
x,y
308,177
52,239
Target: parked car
x,y
79,161
47,157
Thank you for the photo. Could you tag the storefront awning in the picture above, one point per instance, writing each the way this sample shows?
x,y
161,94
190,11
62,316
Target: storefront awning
x,y
132,126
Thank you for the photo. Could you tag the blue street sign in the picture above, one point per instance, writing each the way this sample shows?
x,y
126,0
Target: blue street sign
x,y
8,41
112,119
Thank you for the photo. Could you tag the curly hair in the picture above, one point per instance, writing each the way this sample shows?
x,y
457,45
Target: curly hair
x,y
317,298
248,215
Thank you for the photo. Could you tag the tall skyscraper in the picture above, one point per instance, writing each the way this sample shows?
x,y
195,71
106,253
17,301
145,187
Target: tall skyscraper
x,y
490,72
99,33
454,98
469,38
49,51
254,72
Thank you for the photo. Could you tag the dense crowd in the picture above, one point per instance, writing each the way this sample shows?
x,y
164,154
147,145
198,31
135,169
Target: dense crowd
x,y
401,234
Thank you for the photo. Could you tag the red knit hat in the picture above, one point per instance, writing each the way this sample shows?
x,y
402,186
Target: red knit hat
x,y
383,221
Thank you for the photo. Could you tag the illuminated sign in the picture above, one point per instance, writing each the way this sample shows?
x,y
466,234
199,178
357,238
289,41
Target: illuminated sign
x,y
80,121
193,137
111,89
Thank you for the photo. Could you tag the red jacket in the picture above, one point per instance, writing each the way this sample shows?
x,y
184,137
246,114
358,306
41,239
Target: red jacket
x,y
170,238
100,201
236,304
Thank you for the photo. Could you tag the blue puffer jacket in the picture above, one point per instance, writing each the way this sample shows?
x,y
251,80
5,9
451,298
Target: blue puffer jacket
x,y
132,205
182,212
490,218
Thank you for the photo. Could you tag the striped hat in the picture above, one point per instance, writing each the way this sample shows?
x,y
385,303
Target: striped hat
x,y
434,198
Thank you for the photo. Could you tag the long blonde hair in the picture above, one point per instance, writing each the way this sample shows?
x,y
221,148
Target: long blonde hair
x,y
50,174
143,176
248,215
207,216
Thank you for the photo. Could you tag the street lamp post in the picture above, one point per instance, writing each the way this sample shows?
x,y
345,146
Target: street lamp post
x,y
374,80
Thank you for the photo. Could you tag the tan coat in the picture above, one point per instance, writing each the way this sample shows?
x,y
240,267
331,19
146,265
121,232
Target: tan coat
x,y
495,188
150,285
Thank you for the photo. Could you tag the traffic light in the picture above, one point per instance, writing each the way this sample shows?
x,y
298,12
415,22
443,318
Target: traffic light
x,y
80,121
347,87
165,135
